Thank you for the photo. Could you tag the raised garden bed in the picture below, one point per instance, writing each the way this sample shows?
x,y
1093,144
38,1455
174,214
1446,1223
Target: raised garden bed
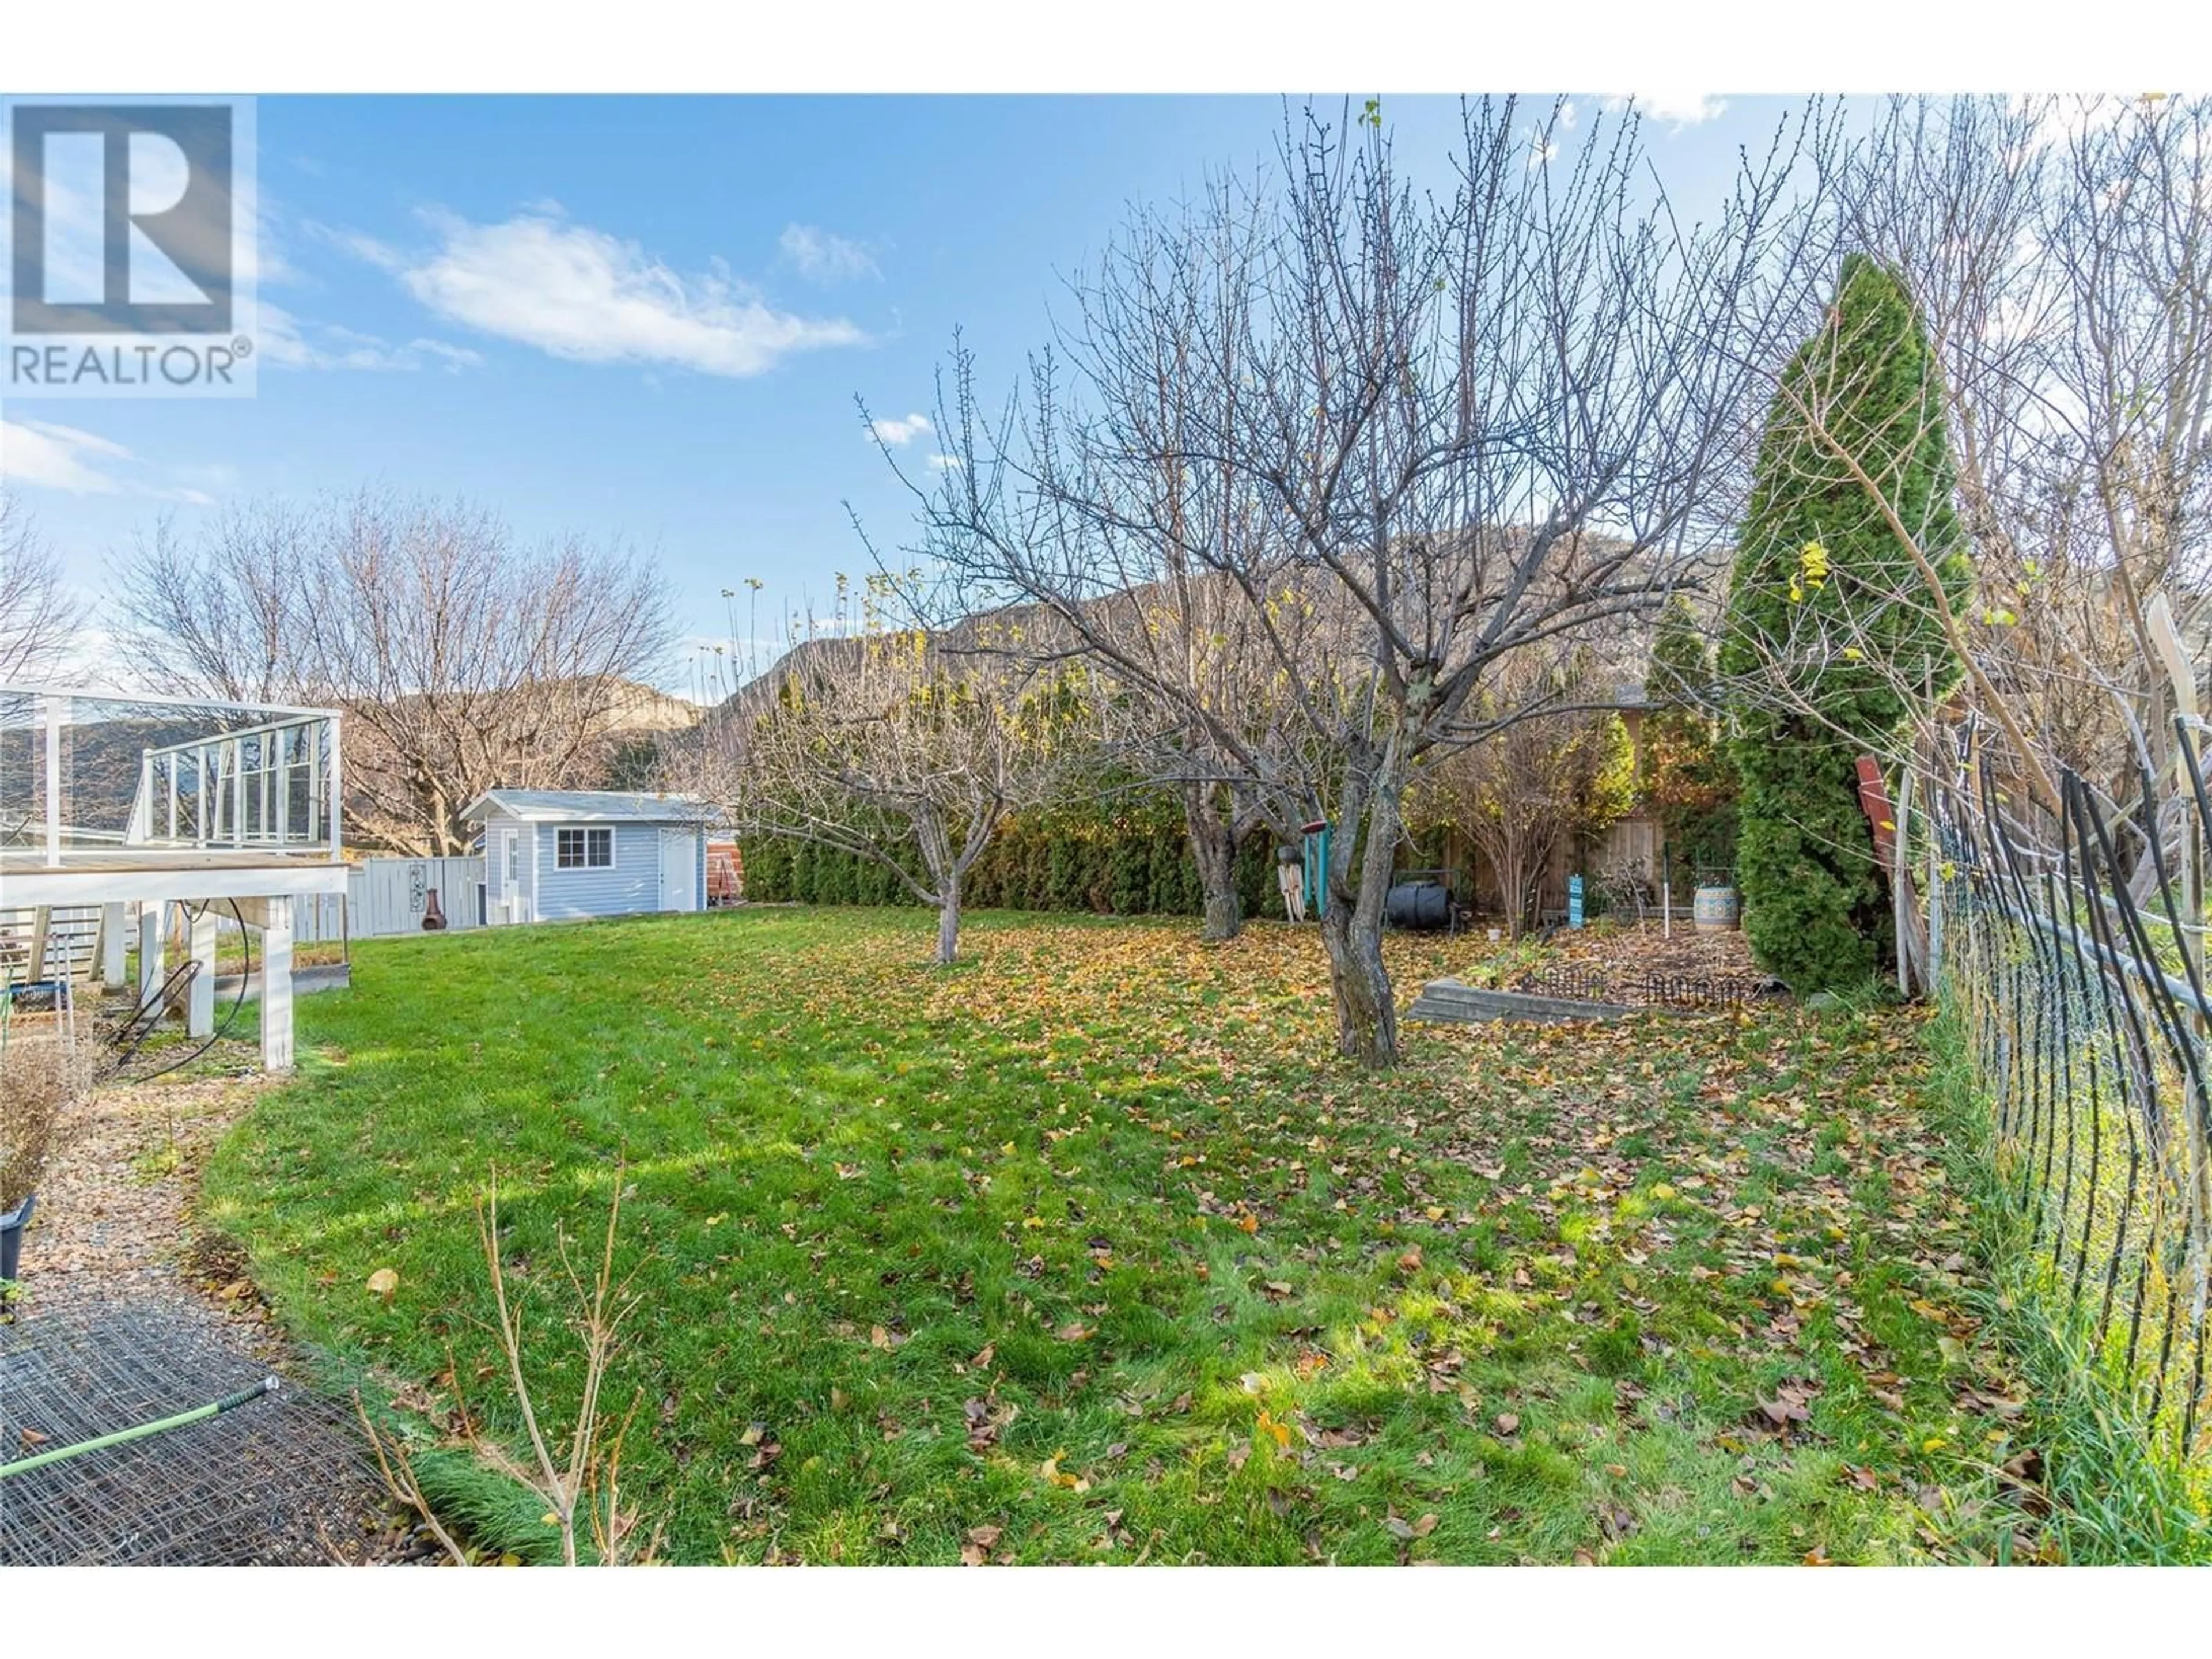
x,y
1600,972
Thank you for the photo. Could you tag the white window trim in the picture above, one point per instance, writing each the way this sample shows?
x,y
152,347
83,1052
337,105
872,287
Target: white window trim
x,y
587,866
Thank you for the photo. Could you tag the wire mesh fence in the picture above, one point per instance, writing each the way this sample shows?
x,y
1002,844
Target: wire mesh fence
x,y
2071,944
283,1480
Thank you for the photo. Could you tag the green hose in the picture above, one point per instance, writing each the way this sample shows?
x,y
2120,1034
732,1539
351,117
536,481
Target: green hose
x,y
198,1413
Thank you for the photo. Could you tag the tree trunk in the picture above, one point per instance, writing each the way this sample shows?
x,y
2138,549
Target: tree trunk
x,y
1214,847
1366,1013
1512,891
948,923
1351,928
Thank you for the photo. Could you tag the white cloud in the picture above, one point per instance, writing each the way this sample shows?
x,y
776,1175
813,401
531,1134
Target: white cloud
x,y
1679,109
41,455
581,293
945,463
289,344
822,256
902,431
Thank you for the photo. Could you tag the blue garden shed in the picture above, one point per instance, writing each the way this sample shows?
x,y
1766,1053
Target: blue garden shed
x,y
559,854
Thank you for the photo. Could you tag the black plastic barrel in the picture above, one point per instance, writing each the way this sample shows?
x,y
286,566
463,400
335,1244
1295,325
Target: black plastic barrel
x,y
1422,905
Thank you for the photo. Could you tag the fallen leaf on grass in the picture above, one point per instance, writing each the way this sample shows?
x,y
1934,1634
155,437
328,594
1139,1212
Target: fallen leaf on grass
x,y
1053,1475
384,1282
1506,1422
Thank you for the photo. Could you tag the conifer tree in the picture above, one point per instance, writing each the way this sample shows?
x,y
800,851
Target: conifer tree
x,y
1832,643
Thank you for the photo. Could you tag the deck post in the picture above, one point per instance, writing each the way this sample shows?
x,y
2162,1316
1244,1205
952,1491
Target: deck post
x,y
150,974
110,946
277,985
199,1003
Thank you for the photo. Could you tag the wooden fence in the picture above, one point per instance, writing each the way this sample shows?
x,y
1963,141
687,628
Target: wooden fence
x,y
390,895
387,896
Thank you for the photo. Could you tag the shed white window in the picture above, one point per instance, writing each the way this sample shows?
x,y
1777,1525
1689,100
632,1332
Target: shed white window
x,y
583,850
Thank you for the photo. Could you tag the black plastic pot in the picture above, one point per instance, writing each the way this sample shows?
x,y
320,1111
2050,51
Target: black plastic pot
x,y
11,1235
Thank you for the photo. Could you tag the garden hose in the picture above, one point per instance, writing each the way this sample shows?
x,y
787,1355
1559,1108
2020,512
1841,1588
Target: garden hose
x,y
197,1415
127,1044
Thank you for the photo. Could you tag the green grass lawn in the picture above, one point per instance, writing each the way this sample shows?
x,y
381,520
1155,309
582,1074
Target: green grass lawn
x,y
1092,1241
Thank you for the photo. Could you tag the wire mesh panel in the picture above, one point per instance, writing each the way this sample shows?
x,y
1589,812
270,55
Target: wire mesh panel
x,y
281,1480
2074,950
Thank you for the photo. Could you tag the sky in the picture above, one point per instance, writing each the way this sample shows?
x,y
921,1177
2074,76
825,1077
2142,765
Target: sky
x,y
646,320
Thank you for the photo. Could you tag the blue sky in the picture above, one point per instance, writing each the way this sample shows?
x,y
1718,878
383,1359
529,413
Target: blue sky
x,y
646,319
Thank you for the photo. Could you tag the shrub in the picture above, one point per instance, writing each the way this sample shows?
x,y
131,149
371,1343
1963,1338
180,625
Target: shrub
x,y
44,1080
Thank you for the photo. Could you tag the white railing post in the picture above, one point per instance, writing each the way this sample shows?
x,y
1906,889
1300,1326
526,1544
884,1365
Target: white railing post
x,y
57,712
337,794
142,804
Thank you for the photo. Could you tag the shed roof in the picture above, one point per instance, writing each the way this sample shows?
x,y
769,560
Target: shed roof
x,y
591,806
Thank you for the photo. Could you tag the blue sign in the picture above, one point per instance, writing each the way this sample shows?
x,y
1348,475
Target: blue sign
x,y
1316,863
1574,900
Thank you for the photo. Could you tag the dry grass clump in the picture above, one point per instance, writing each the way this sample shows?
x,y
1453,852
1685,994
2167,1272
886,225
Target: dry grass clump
x,y
44,1079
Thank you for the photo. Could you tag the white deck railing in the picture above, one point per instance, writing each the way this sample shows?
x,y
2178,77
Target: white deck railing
x,y
272,784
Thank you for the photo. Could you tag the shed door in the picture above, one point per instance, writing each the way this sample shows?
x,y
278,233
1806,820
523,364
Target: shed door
x,y
679,869
510,855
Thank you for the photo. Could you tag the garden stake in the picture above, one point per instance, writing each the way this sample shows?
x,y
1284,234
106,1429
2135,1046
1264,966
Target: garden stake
x,y
197,1414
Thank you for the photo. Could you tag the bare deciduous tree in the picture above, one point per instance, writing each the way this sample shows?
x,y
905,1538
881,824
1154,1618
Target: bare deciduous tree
x,y
469,662
464,659
893,748
39,617
1438,429
1116,531
2061,251
1530,788
224,616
